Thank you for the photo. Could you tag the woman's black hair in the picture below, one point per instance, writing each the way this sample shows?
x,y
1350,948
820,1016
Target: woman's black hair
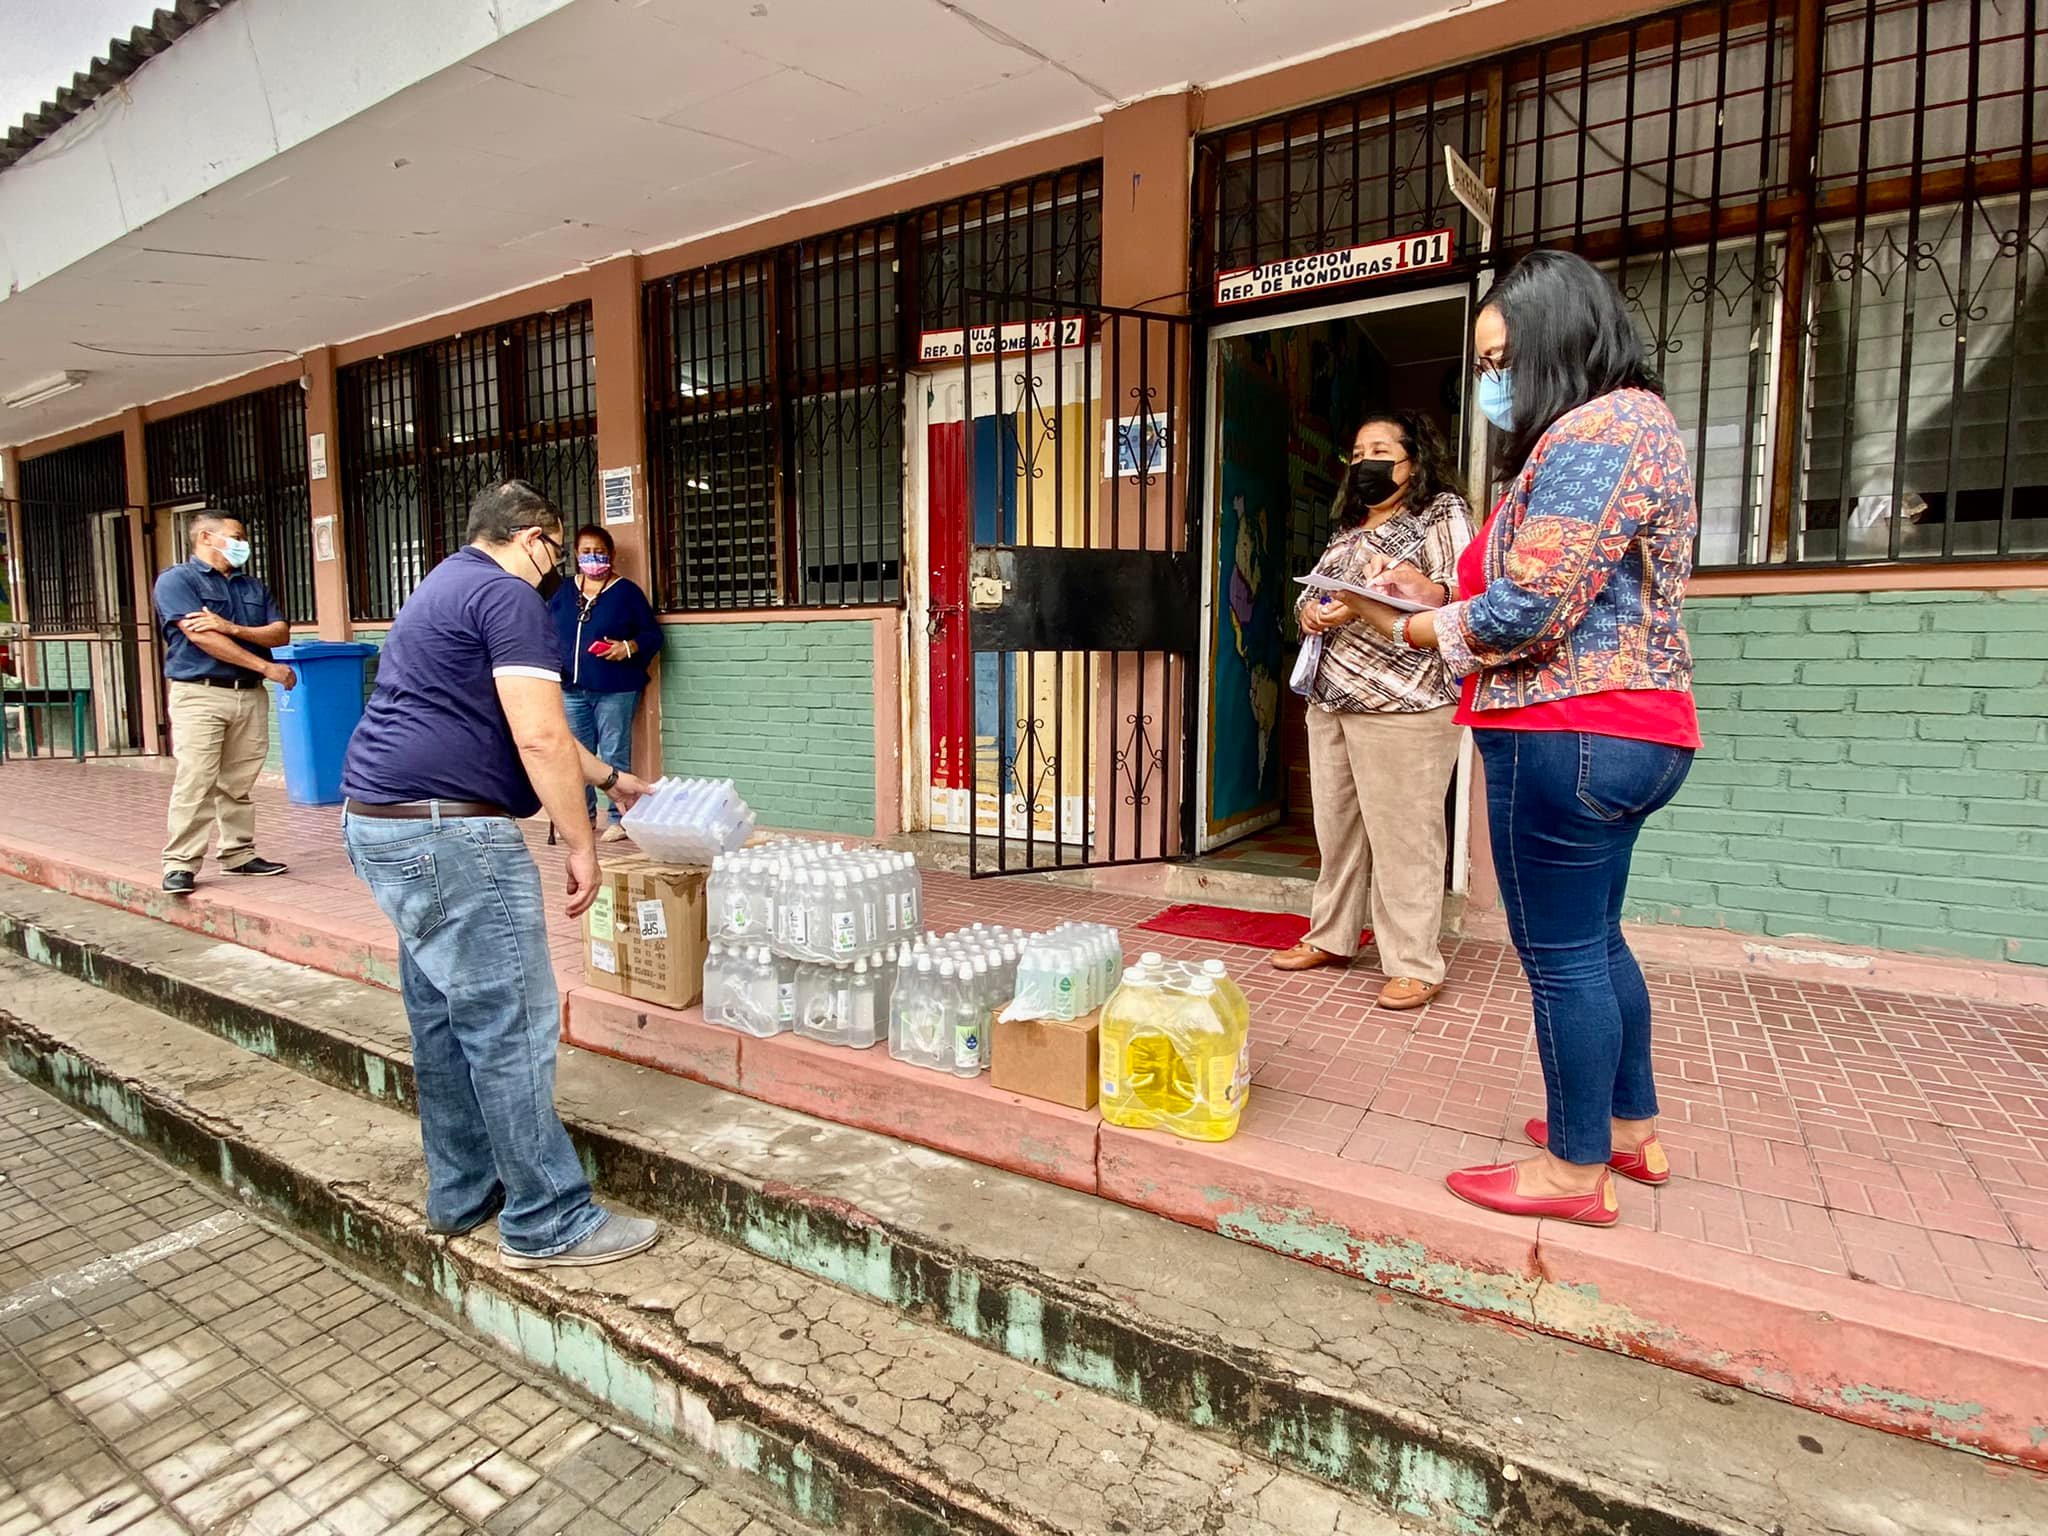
x,y
1435,469
602,535
1570,340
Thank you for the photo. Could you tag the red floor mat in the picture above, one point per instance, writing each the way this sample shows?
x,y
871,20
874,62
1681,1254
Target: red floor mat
x,y
1227,925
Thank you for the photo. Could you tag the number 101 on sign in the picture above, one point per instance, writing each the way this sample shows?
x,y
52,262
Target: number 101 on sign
x,y
1328,269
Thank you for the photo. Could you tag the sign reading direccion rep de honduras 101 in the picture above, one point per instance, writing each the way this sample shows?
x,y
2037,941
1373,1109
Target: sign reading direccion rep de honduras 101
x,y
1328,269
1018,336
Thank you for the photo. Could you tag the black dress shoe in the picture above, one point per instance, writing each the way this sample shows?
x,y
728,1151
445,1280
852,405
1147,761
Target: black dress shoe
x,y
179,882
258,867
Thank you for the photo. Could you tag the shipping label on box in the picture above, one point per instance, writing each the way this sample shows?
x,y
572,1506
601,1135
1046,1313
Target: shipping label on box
x,y
645,933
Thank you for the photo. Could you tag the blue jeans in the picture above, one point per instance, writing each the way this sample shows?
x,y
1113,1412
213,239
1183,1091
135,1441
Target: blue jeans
x,y
603,722
1563,811
479,988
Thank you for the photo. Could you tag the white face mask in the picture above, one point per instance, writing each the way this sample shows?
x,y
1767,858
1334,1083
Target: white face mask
x,y
234,551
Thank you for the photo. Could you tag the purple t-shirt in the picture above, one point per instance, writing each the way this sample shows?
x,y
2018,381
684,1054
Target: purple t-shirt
x,y
434,729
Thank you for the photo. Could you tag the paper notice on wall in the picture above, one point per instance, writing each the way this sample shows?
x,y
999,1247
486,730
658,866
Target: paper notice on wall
x,y
323,538
653,918
316,456
604,958
616,491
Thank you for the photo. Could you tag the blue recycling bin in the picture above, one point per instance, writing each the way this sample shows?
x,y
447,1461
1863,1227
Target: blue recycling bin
x,y
316,719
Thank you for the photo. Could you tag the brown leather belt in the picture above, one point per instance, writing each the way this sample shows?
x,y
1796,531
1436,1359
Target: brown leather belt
x,y
423,810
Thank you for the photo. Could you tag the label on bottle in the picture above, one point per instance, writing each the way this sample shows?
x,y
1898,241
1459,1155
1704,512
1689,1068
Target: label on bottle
x,y
967,1045
842,933
1222,1086
785,1001
910,909
842,1008
739,914
799,925
895,911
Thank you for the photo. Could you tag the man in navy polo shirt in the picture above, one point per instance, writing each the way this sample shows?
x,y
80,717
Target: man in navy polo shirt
x,y
464,736
218,624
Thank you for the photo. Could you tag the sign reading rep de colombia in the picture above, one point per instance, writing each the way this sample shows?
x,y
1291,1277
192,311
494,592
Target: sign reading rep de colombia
x,y
989,340
1329,269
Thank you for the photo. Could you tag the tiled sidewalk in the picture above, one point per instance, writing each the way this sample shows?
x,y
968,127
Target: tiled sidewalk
x,y
170,1365
1901,1139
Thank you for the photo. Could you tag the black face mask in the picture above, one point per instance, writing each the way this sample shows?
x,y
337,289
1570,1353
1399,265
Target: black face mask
x,y
550,576
1372,482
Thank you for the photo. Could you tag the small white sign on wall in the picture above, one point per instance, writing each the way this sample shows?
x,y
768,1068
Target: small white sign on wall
x,y
616,489
316,456
323,538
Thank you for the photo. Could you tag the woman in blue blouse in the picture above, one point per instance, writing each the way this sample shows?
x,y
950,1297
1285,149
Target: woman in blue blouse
x,y
609,639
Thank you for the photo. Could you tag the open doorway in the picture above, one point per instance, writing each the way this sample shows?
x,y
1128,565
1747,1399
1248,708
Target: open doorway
x,y
1287,394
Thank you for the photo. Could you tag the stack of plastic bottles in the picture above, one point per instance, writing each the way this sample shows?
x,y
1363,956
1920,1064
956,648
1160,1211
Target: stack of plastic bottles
x,y
946,991
689,821
1067,972
804,938
1175,1046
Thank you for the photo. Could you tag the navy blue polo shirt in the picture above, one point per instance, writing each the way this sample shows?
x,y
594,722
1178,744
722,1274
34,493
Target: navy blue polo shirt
x,y
187,589
433,729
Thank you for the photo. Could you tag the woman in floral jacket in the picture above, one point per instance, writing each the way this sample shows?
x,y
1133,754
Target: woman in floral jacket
x,y
1578,687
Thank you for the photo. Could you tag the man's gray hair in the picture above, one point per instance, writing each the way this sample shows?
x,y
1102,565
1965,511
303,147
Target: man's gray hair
x,y
502,510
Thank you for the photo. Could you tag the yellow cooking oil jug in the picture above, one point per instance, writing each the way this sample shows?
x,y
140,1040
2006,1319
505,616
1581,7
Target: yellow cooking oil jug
x,y
1175,1051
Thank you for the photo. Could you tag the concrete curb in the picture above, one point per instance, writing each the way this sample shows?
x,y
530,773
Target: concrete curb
x,y
1403,1461
1083,1335
825,1471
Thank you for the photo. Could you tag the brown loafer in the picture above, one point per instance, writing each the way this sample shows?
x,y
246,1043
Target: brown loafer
x,y
1405,992
1304,957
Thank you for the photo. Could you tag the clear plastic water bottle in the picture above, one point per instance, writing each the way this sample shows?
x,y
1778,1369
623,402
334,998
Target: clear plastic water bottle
x,y
969,1026
714,984
862,1007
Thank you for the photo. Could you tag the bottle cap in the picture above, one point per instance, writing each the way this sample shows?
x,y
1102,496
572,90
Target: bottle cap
x,y
1213,967
1152,959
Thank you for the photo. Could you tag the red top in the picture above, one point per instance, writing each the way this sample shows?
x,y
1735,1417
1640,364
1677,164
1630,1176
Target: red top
x,y
1645,714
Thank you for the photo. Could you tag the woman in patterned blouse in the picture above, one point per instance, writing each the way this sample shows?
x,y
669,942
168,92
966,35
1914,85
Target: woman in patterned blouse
x,y
1578,687
1382,742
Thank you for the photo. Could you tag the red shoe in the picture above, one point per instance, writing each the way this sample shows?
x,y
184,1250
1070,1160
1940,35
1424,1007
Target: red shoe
x,y
1646,1165
1493,1188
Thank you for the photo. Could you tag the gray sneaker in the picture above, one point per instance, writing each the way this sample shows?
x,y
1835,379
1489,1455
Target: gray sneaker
x,y
617,1237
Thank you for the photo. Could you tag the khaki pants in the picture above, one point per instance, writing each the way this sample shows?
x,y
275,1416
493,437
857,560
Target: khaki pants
x,y
1378,781
220,737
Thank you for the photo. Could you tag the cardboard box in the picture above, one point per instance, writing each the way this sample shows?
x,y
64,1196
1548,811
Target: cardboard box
x,y
645,935
1048,1059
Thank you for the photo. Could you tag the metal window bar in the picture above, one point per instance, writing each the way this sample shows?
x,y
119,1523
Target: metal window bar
x,y
774,395
422,431
1366,168
246,457
1904,269
60,493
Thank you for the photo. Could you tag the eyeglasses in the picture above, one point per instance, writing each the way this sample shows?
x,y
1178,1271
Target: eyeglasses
x,y
1489,367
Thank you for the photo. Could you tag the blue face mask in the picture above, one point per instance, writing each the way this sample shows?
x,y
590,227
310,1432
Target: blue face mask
x,y
1496,398
236,552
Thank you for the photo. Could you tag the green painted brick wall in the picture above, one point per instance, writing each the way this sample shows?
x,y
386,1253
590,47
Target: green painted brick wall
x,y
785,710
1874,771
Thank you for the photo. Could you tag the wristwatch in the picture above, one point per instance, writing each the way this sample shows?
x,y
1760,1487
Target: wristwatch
x,y
1401,633
609,782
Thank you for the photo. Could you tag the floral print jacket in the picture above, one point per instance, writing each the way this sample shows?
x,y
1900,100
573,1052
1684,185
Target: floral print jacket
x,y
1586,564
